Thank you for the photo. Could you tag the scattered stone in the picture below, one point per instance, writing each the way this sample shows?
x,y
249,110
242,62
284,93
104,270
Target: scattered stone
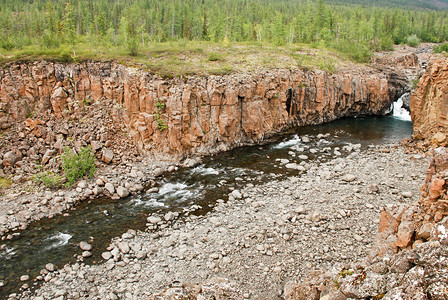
x,y
85,246
122,192
24,277
348,178
108,156
110,188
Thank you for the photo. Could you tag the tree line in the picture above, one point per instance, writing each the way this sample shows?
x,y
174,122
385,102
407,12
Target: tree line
x,y
133,24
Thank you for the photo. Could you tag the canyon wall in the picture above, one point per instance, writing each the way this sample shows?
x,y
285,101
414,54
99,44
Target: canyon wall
x,y
197,114
429,104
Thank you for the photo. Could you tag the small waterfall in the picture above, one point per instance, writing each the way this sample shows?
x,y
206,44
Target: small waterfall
x,y
399,112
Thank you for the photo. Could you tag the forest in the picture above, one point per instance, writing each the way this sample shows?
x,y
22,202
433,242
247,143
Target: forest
x,y
356,28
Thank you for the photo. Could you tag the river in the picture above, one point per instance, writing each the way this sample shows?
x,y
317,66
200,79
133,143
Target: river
x,y
56,240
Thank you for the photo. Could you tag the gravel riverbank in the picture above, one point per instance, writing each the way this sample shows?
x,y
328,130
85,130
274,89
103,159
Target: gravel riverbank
x,y
262,237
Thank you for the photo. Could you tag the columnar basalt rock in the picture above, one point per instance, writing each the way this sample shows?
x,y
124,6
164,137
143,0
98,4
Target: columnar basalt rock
x,y
197,114
429,105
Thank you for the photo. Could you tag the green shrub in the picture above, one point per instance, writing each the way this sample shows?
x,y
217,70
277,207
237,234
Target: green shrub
x,y
356,51
49,179
413,40
78,165
214,56
441,48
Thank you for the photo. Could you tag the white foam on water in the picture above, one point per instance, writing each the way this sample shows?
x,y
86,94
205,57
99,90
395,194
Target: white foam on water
x,y
178,191
292,142
204,171
60,239
399,112
172,188
8,253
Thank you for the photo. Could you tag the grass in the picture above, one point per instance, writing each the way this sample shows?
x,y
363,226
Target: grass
x,y
184,58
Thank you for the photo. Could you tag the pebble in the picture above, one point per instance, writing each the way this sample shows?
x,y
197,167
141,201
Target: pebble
x,y
106,255
407,194
50,267
154,220
24,277
85,246
348,178
86,254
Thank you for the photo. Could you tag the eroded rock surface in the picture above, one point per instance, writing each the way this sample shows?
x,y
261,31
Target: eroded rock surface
x,y
429,105
196,114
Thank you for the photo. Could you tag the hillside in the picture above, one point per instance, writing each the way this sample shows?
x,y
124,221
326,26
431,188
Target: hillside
x,y
77,29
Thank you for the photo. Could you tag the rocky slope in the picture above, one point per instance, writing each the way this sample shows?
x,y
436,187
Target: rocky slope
x,y
429,105
409,257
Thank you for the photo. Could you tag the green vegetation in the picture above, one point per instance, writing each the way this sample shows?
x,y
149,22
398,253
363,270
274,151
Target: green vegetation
x,y
441,48
161,123
5,182
49,179
183,37
78,165
413,40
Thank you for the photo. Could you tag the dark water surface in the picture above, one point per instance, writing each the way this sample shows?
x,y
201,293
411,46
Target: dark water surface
x,y
55,240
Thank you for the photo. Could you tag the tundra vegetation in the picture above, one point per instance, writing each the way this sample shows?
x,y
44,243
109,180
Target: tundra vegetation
x,y
214,37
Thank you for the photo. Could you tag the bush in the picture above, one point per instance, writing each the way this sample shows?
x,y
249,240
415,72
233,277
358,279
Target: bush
x,y
441,48
49,179
413,40
356,51
214,56
78,165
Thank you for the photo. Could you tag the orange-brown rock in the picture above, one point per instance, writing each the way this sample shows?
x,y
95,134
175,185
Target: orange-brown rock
x,y
429,104
197,114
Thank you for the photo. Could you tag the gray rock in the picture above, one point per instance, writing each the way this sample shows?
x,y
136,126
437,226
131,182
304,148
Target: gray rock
x,y
108,156
50,267
122,192
348,178
406,194
85,246
153,219
124,248
86,254
191,162
82,184
169,216
106,255
48,154
24,277
236,194
110,188
157,172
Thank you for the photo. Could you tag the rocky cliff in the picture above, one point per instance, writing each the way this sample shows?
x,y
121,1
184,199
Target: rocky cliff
x,y
429,105
197,114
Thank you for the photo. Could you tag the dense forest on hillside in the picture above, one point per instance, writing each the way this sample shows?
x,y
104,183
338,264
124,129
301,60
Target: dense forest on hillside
x,y
131,26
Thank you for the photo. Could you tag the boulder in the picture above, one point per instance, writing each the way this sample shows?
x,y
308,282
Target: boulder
x,y
10,158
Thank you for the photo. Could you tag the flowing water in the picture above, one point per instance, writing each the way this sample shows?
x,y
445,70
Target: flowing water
x,y
55,240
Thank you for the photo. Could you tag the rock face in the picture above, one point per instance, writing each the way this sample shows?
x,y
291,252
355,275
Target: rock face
x,y
196,115
429,104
